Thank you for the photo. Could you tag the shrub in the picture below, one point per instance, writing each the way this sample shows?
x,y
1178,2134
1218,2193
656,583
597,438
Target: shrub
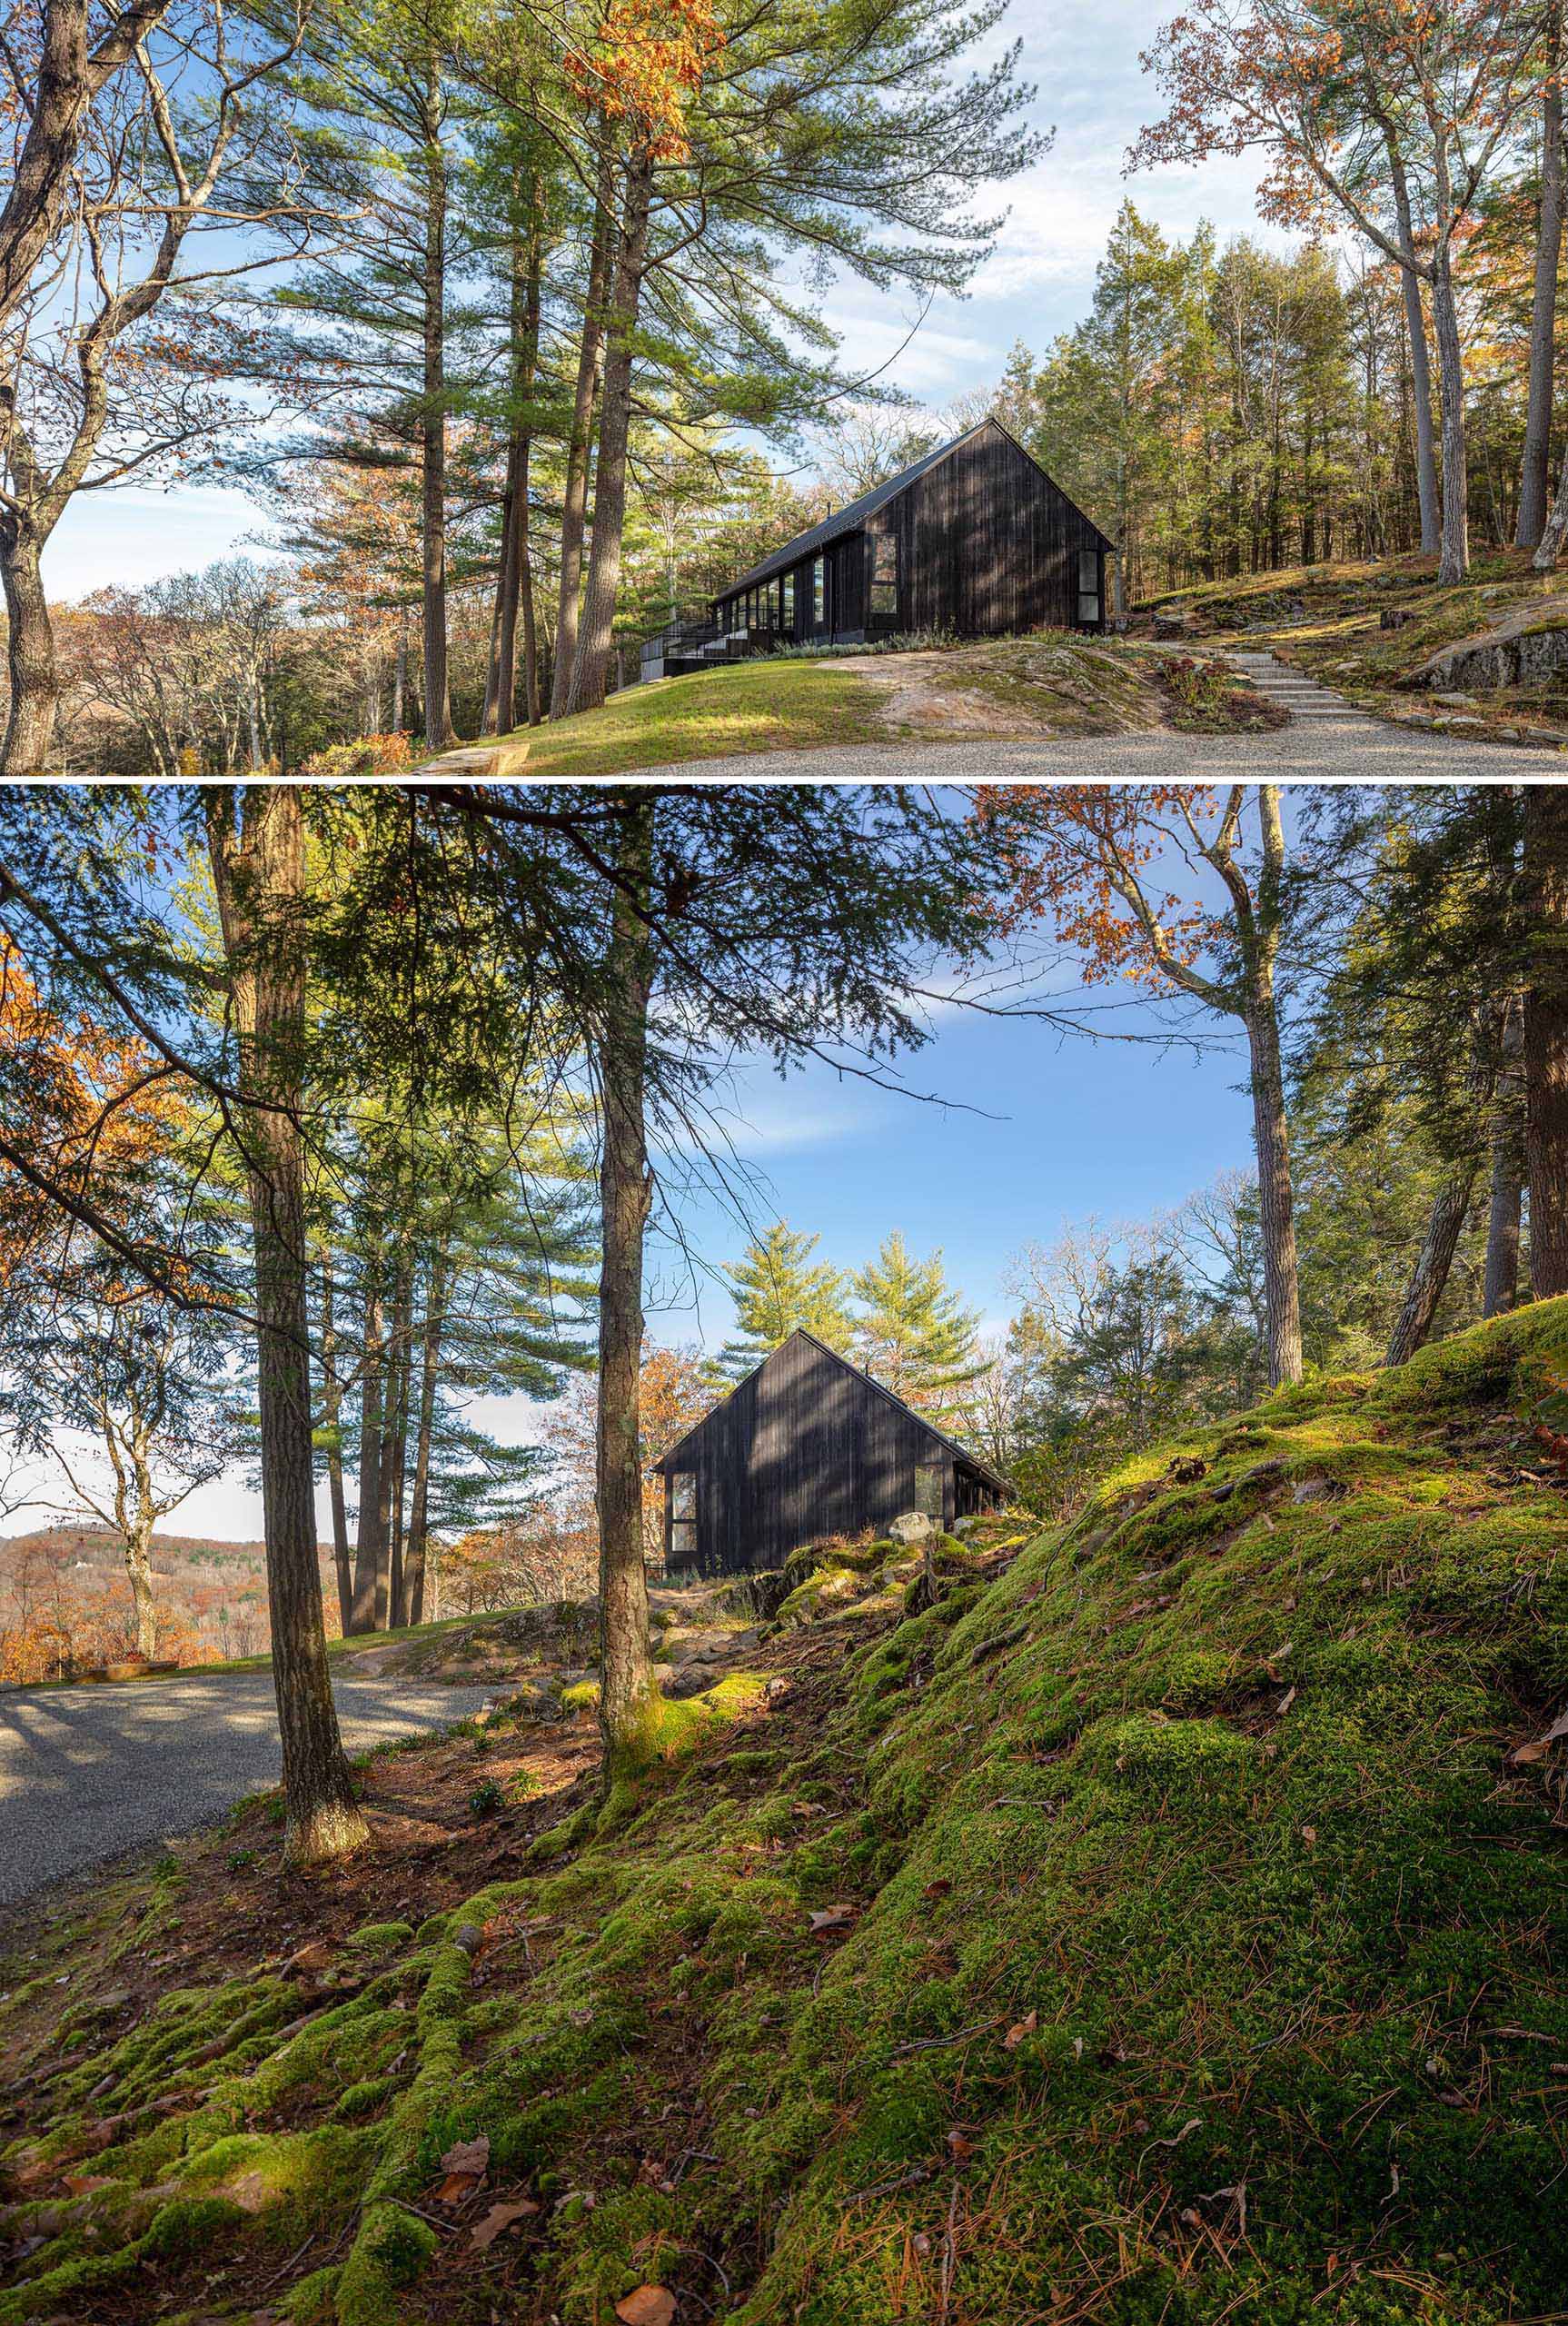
x,y
361,755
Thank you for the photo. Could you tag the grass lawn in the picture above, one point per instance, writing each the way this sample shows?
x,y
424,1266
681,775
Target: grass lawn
x,y
762,706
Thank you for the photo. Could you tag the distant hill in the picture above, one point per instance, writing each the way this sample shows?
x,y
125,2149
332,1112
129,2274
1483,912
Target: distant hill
x,y
211,1593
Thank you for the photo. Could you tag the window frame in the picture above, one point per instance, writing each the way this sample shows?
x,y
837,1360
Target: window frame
x,y
882,582
1091,593
680,1551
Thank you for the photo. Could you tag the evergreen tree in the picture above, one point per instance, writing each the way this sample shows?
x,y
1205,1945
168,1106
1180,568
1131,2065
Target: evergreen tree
x,y
776,1291
915,1335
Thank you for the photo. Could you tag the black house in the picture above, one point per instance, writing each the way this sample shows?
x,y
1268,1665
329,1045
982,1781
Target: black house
x,y
806,1447
975,538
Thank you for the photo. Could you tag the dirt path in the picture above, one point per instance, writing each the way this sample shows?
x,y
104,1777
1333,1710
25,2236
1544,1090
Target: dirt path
x,y
1013,689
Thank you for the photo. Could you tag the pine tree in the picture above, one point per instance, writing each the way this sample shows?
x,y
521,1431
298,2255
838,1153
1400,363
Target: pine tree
x,y
776,1291
916,1336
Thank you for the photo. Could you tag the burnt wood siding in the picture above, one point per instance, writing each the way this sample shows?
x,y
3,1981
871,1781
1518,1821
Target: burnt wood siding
x,y
804,1448
986,546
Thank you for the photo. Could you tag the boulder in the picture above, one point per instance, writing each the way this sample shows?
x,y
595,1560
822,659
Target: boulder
x,y
1528,646
913,1526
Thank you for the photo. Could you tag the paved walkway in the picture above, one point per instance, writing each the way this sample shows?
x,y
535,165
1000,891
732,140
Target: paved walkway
x,y
86,1772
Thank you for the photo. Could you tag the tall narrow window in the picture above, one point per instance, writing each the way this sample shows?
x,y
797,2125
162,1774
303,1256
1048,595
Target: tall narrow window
x,y
885,582
1089,585
819,592
683,1520
930,1477
789,587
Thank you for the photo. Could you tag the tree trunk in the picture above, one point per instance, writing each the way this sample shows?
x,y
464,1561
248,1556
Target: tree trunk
x,y
1546,1033
1454,557
1503,1227
435,1319
1277,1202
1501,1284
373,1371
527,267
591,670
627,1692
386,1449
438,727
1535,484
259,876
399,680
402,1365
139,1568
1429,1275
332,1414
1420,367
574,490
30,656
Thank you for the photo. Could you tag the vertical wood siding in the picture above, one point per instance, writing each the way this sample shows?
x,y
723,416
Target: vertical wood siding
x,y
988,545
805,1448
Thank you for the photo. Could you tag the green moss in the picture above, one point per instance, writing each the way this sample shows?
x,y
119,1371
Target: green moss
x,y
392,2248
825,1591
381,1938
1185,1857
581,1697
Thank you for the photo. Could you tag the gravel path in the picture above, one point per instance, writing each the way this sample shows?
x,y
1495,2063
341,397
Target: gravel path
x,y
86,1772
1349,747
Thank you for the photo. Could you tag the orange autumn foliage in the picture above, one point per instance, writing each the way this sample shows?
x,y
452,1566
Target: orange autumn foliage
x,y
1079,855
644,63
86,1108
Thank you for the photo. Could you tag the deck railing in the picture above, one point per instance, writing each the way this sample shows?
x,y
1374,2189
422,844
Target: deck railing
x,y
702,639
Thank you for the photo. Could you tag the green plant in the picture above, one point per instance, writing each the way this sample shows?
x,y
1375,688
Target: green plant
x,y
486,1799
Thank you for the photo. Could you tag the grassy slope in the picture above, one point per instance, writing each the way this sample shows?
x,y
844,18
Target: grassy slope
x,y
1327,619
1067,684
1200,1955
744,707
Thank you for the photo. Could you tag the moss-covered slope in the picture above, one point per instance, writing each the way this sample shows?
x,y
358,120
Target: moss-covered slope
x,y
1168,1926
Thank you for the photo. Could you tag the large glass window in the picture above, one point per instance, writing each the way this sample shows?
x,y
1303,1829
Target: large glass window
x,y
1089,585
819,592
682,1520
930,1477
788,586
885,581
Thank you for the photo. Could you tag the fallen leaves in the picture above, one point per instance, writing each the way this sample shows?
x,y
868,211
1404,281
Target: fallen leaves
x,y
1524,1755
465,2164
646,2306
499,2220
826,1920
1016,2034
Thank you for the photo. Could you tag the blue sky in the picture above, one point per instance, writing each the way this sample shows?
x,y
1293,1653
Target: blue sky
x,y
1071,1127
1084,60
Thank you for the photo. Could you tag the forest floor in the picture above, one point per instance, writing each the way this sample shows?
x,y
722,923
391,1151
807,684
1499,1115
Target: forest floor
x,y
1160,1917
1055,685
1330,621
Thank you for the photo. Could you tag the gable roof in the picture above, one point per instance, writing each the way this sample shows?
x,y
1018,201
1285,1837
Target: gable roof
x,y
867,1380
854,514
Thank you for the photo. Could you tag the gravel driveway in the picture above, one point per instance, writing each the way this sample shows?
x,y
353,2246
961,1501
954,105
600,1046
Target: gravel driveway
x,y
86,1772
1353,750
